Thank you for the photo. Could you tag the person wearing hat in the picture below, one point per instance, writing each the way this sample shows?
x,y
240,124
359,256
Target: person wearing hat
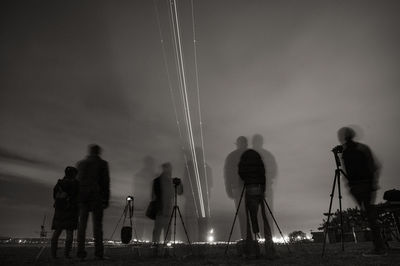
x,y
65,217
362,173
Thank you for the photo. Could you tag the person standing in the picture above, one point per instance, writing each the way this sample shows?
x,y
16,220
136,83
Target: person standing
x,y
233,182
65,194
163,195
271,171
362,173
94,196
252,172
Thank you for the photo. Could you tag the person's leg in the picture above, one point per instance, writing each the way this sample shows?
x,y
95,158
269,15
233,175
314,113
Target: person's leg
x,y
54,242
364,198
269,244
98,230
157,229
164,226
83,217
252,205
372,217
68,242
241,215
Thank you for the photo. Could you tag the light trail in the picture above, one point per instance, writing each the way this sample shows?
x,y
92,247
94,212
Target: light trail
x,y
173,98
183,87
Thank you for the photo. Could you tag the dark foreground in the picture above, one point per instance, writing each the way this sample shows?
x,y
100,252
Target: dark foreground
x,y
304,254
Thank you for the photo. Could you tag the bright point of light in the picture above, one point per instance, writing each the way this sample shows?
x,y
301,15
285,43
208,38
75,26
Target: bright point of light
x,y
169,244
210,238
280,239
212,231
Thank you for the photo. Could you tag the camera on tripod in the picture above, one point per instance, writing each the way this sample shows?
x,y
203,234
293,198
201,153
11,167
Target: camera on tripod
x,y
176,181
338,149
129,198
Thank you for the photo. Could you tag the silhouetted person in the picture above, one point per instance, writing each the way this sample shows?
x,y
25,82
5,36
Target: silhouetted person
x,y
233,182
252,172
271,171
198,225
65,194
94,195
362,175
142,182
163,195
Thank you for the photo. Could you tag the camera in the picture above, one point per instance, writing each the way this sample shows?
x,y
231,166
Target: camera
x,y
176,181
129,198
338,149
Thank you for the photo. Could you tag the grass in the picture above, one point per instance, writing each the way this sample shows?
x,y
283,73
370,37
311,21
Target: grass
x,y
304,254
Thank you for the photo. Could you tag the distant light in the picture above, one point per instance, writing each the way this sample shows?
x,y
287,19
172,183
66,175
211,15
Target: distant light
x,y
280,239
169,244
210,236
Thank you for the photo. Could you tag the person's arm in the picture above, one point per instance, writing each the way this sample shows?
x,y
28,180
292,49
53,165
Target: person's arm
x,y
105,185
55,189
227,177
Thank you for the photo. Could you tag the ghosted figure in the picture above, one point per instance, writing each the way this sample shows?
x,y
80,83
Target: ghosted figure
x,y
94,196
362,171
252,172
271,171
198,221
65,194
142,181
163,195
233,182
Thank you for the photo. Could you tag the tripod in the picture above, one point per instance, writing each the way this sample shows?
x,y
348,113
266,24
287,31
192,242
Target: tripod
x,y
338,172
237,212
128,211
173,215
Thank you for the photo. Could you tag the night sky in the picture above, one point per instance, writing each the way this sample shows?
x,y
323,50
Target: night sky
x,y
79,72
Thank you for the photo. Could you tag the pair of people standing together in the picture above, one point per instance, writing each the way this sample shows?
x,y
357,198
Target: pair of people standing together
x,y
83,190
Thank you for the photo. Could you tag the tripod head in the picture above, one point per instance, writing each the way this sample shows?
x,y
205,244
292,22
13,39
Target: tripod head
x,y
129,199
336,150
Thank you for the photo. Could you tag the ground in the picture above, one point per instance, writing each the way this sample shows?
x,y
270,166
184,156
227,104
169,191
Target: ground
x,y
304,254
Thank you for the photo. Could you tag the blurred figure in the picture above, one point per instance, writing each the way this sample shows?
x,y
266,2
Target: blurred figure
x,y
362,175
94,196
142,182
65,194
271,171
233,182
252,172
163,195
198,226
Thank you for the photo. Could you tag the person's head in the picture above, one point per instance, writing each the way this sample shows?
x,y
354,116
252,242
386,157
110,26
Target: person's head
x,y
345,134
70,172
166,168
241,142
257,141
94,149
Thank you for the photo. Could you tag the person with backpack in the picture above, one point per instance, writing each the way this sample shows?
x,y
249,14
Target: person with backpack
x,y
65,217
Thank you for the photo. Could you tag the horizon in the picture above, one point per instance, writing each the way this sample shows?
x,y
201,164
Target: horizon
x,y
76,73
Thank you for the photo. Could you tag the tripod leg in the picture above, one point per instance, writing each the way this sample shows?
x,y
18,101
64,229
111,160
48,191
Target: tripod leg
x,y
184,227
276,223
234,220
120,218
175,207
168,227
340,209
329,214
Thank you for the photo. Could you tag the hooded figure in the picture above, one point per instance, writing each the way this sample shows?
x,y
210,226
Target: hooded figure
x,y
65,196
